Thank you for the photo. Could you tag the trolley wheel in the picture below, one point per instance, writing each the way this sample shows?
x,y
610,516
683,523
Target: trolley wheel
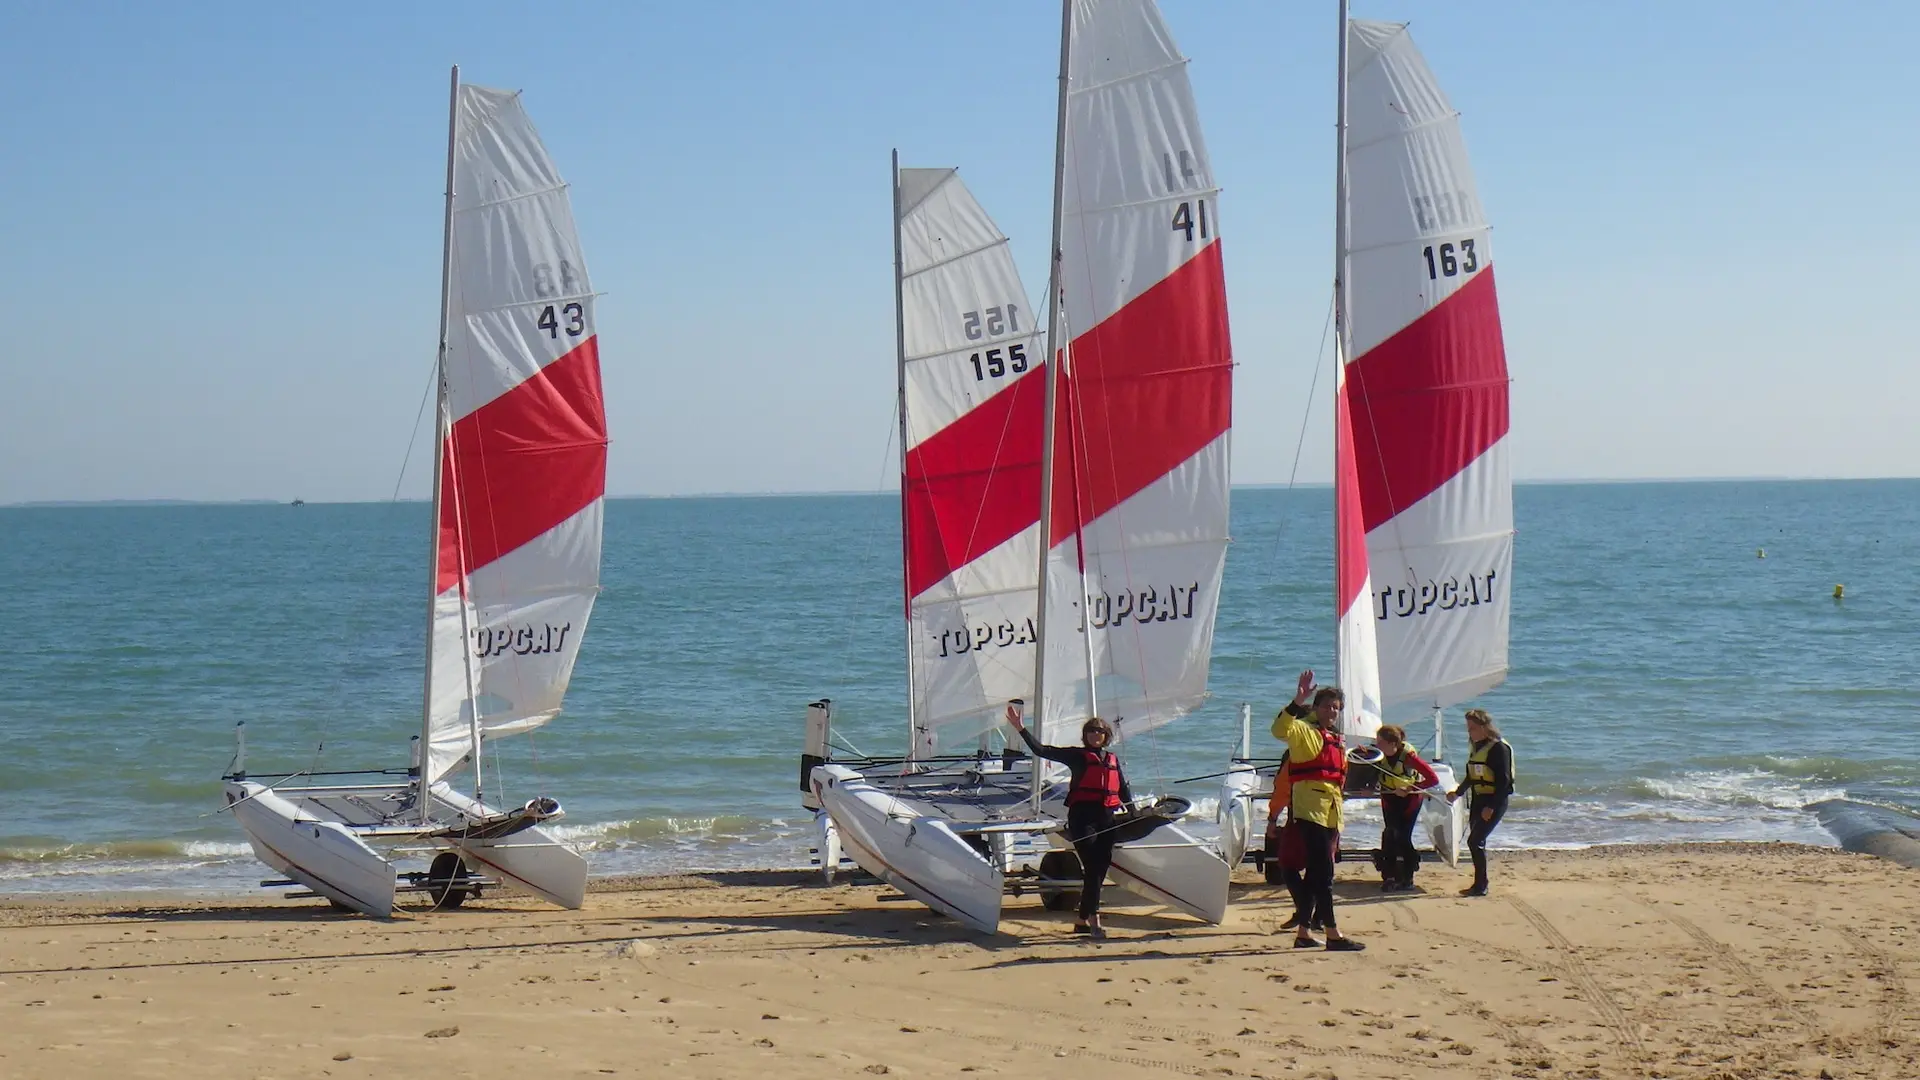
x,y
1059,866
447,881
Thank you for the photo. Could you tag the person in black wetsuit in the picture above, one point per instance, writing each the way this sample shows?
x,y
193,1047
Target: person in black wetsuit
x,y
1097,791
1490,779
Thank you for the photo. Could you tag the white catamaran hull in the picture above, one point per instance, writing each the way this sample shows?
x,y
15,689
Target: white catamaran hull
x,y
901,844
315,838
325,856
1173,868
534,859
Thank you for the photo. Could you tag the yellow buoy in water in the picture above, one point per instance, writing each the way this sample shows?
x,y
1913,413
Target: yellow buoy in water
x,y
1839,592
1760,553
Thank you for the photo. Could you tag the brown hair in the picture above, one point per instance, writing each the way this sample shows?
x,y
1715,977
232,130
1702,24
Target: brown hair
x,y
1393,733
1479,716
1094,723
1328,693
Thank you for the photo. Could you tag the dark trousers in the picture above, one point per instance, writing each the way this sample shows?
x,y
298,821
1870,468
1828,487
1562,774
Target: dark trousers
x,y
1479,831
1315,902
1398,857
1090,827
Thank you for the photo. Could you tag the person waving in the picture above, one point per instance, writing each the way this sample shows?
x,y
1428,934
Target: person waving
x,y
1098,790
1310,726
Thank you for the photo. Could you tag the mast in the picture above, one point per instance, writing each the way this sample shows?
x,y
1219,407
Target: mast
x,y
900,351
439,442
1053,378
1341,339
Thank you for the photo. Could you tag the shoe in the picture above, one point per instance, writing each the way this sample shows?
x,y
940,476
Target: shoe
x,y
1389,886
1474,890
1305,943
1099,933
1345,944
1292,921
1082,928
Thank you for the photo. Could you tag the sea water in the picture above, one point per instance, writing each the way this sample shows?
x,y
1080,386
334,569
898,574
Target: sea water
x,y
1668,683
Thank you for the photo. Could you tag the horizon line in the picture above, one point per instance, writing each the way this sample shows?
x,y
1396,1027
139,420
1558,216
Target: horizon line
x,y
30,504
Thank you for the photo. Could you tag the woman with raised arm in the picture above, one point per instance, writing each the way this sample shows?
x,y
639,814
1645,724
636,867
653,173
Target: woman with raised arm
x,y
1097,791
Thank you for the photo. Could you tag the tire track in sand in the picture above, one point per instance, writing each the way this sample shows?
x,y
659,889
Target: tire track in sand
x,y
1119,1028
1894,1003
1726,957
998,1039
1515,1039
1596,995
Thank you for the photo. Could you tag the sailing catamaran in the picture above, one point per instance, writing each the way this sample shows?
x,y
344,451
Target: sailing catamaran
x,y
1423,499
1116,454
514,555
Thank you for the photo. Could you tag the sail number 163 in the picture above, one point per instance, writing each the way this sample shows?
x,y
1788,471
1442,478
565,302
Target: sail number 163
x,y
1449,263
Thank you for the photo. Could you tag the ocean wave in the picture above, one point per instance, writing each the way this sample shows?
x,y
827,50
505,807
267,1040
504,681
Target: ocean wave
x,y
122,851
1747,787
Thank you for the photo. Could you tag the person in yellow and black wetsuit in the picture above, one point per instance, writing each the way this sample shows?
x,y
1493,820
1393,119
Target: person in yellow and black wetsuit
x,y
1490,779
1097,790
1318,769
1402,776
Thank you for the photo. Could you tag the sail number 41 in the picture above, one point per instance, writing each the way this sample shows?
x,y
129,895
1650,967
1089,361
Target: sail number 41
x,y
1186,218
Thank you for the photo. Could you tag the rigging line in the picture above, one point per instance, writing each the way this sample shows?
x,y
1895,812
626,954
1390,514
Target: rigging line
x,y
433,378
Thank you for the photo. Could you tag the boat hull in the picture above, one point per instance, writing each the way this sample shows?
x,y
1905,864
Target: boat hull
x,y
325,856
533,858
899,842
1172,867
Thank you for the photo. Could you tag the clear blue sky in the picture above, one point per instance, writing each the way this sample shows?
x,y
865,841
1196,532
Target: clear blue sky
x,y
219,226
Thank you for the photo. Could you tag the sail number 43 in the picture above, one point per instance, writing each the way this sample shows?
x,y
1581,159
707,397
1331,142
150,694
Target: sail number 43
x,y
572,318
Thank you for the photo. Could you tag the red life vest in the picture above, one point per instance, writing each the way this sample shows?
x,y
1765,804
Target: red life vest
x,y
1099,782
1330,766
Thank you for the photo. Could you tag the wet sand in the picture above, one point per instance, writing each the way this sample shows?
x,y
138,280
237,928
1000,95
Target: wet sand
x,y
1722,961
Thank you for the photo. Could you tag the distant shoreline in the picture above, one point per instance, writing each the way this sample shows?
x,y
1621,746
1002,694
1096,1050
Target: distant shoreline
x,y
68,504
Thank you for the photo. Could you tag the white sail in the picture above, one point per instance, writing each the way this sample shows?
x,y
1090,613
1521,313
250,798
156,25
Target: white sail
x,y
1140,472
523,452
1426,381
970,484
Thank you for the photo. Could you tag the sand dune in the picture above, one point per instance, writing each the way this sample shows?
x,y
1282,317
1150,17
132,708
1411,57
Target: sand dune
x,y
1717,961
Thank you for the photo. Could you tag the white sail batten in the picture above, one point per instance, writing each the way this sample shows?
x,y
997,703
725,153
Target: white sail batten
x,y
1426,383
523,458
1140,499
970,339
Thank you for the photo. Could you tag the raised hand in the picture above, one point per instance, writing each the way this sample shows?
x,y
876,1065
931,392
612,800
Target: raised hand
x,y
1013,717
1304,692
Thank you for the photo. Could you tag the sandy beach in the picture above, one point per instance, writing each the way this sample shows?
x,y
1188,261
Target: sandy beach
x,y
1679,961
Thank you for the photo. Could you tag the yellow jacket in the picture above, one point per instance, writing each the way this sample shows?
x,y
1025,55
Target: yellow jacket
x,y
1317,801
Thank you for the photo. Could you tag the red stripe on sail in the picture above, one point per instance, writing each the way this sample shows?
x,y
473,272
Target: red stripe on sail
x,y
975,483
1148,388
523,463
1350,536
1429,400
